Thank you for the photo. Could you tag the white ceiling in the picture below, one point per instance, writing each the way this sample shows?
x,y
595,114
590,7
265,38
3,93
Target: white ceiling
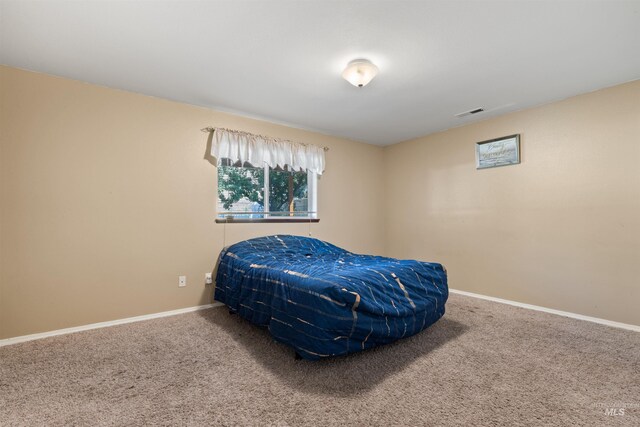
x,y
281,60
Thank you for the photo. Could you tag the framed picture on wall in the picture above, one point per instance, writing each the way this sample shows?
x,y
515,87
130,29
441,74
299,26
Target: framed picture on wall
x,y
502,151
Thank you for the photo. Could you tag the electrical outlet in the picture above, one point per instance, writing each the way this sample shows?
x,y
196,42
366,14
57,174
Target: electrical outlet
x,y
208,279
182,281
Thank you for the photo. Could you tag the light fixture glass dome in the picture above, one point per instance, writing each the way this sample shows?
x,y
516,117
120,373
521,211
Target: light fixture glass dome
x,y
360,72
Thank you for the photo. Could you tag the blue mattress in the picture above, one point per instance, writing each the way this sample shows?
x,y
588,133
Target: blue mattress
x,y
325,301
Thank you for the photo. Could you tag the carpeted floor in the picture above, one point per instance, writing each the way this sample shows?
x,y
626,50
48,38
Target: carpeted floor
x,y
483,364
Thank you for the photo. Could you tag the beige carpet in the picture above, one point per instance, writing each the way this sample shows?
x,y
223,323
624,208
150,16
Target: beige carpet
x,y
482,364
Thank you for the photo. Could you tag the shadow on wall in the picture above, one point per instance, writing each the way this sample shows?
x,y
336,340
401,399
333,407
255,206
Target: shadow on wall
x,y
338,376
207,153
207,295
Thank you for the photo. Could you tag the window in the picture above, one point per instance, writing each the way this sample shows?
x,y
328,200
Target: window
x,y
246,192
253,187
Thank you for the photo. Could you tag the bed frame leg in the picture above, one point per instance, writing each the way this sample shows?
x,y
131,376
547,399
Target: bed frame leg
x,y
297,356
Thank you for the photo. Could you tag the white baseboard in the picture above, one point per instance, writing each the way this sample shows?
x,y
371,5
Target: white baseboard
x,y
24,338
550,310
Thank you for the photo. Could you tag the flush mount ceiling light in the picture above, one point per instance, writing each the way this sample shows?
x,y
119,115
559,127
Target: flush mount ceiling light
x,y
360,72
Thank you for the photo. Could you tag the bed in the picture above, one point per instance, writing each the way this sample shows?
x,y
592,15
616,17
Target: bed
x,y
325,301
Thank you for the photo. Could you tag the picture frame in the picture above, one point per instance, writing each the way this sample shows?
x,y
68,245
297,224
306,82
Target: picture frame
x,y
503,151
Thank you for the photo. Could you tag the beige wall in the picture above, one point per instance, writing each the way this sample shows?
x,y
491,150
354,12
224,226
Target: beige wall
x,y
560,230
106,198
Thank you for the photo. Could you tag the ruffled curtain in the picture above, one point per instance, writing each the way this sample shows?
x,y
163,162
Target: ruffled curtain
x,y
257,150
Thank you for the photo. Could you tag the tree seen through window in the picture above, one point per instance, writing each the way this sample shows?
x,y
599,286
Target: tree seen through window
x,y
241,190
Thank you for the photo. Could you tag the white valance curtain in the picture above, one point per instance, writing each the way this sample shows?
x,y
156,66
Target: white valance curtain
x,y
257,150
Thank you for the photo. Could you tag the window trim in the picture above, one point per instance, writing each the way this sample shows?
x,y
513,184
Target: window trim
x,y
283,219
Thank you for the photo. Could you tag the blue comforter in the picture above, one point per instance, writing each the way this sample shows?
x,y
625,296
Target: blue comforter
x,y
325,301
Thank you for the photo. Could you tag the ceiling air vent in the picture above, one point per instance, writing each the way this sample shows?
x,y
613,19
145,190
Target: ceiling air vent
x,y
470,112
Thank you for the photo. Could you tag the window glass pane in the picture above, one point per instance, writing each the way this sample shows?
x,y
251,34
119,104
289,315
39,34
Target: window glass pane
x,y
240,189
288,192
245,191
